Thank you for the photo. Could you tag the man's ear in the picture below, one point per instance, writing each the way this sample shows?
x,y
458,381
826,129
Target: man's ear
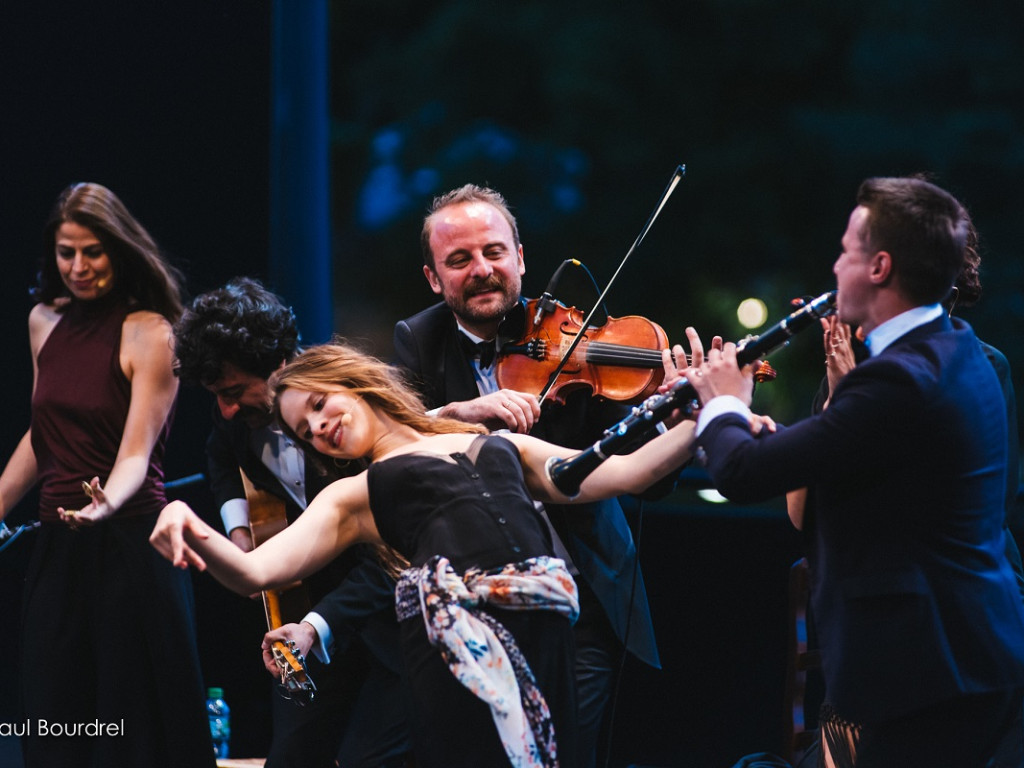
x,y
435,284
881,268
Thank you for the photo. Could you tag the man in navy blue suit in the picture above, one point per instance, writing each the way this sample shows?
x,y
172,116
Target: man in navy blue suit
x,y
920,622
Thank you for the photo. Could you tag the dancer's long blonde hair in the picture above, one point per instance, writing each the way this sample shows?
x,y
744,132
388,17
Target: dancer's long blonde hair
x,y
339,367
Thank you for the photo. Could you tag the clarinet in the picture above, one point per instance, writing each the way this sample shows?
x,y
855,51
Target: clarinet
x,y
569,474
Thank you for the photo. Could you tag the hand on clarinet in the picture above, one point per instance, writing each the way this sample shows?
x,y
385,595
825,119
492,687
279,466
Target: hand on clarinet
x,y
700,368
675,362
720,374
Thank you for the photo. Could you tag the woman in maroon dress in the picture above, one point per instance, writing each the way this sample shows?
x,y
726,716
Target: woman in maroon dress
x,y
109,667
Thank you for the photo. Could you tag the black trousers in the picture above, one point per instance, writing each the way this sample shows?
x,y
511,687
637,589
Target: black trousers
x,y
357,719
452,728
109,636
599,655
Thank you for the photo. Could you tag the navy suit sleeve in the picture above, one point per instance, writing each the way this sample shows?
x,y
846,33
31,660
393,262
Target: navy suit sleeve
x,y
366,590
420,353
222,468
406,353
850,438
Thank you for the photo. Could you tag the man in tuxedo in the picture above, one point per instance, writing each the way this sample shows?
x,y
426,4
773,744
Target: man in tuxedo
x,y
473,259
230,341
919,619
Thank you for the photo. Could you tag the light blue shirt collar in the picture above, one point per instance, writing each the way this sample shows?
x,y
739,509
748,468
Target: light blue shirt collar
x,y
486,378
894,327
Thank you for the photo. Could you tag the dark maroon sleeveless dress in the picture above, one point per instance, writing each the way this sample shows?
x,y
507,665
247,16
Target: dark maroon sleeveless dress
x,y
108,626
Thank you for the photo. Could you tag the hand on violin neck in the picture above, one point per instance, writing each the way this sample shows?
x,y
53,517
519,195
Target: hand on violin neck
x,y
676,362
504,409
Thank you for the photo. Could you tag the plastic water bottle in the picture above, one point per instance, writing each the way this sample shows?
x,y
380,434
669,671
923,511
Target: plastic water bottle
x,y
220,720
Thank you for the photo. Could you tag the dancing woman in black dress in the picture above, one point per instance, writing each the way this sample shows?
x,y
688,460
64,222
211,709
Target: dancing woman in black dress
x,y
486,607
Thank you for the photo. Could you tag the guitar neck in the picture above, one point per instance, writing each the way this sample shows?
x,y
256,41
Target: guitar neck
x,y
267,517
284,605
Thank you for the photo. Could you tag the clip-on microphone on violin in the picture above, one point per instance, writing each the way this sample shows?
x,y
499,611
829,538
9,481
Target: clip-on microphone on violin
x,y
546,302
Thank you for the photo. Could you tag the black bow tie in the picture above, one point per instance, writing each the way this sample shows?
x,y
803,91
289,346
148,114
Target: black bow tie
x,y
482,350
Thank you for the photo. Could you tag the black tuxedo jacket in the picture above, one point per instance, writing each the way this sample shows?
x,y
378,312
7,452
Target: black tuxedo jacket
x,y
913,597
353,594
597,535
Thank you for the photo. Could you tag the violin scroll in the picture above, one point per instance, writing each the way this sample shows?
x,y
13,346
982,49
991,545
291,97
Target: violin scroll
x,y
764,372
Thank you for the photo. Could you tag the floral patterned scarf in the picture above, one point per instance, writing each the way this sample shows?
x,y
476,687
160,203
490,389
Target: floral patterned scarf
x,y
481,653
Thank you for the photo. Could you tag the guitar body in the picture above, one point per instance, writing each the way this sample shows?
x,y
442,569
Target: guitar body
x,y
284,605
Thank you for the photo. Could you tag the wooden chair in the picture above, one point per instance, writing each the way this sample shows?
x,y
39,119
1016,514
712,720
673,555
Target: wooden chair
x,y
797,737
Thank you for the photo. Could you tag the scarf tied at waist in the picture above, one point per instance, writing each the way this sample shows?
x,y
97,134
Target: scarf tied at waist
x,y
481,654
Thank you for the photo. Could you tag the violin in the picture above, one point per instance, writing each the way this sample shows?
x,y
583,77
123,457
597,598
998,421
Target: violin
x,y
620,360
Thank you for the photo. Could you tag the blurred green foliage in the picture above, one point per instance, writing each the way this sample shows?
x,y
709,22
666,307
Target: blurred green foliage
x,y
579,113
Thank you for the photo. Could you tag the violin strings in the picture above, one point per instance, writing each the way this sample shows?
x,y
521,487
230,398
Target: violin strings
x,y
611,354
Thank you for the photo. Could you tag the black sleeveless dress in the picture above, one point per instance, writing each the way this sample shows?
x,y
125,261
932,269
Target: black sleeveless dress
x,y
474,509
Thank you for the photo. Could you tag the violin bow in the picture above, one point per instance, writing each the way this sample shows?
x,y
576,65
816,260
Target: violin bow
x,y
673,182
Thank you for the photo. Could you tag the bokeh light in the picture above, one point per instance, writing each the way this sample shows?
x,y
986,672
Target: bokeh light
x,y
752,313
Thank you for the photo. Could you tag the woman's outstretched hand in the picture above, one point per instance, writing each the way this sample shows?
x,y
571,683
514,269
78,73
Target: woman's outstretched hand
x,y
95,511
176,520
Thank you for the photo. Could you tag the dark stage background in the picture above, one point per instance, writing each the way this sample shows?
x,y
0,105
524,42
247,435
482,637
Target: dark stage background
x,y
578,112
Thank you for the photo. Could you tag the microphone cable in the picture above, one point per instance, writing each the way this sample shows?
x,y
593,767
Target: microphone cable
x,y
8,537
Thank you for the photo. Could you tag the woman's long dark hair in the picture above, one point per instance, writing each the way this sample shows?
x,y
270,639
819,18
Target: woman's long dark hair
x,y
141,273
